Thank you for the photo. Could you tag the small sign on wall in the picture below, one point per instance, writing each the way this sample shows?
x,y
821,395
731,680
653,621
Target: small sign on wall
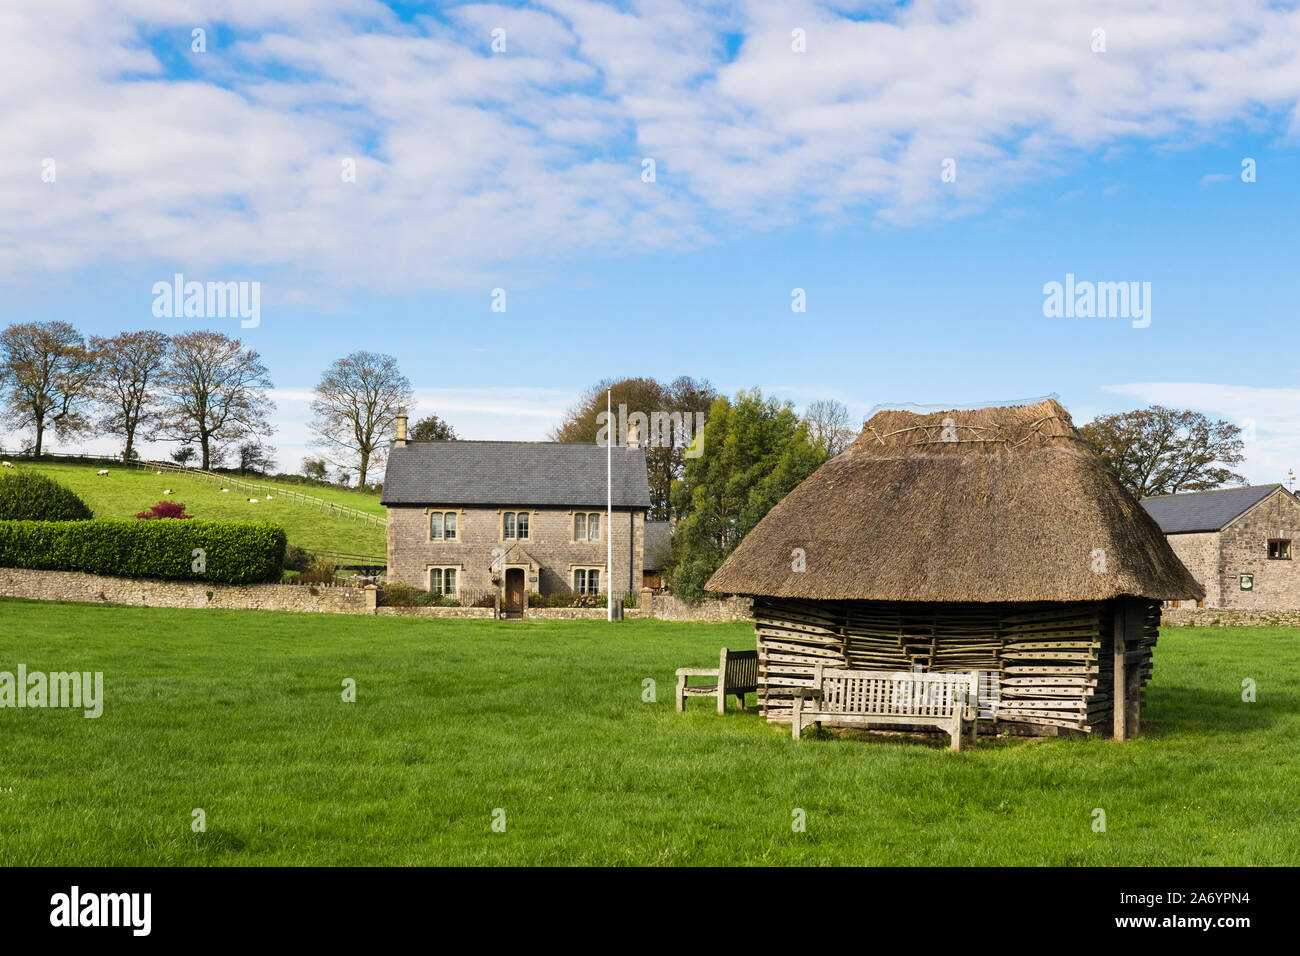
x,y
1247,582
532,579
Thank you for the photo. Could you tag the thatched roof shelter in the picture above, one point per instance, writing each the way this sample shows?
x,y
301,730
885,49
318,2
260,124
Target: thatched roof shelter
x,y
990,504
989,540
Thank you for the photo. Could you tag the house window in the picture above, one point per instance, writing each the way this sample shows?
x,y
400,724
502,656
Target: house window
x,y
1279,549
586,580
442,581
514,525
442,526
586,526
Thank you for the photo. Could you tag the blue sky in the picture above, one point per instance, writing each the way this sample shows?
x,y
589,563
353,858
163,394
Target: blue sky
x,y
775,170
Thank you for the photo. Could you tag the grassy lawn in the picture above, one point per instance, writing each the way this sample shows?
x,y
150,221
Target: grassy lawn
x,y
127,491
239,712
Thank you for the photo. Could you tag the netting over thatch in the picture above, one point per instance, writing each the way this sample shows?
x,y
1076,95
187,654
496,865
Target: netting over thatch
x,y
990,504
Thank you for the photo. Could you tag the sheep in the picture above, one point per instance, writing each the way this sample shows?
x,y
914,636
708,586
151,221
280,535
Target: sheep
x,y
157,472
102,472
6,464
268,497
252,501
167,491
225,491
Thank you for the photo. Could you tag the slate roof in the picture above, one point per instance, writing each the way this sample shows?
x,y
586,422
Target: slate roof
x,y
1204,510
566,474
658,544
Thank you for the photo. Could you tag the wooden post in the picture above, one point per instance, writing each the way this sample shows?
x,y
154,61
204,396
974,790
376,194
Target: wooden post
x,y
722,682
1136,624
1120,682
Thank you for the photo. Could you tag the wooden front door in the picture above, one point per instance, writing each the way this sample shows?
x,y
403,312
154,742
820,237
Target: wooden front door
x,y
514,590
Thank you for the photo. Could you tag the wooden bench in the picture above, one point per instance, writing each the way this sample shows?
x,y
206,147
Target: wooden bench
x,y
739,676
857,698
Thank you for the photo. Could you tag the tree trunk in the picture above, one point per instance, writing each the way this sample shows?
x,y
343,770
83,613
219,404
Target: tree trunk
x,y
203,444
126,453
40,435
361,472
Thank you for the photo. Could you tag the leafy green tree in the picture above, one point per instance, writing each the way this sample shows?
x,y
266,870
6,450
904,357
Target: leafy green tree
x,y
756,451
1164,451
432,428
315,468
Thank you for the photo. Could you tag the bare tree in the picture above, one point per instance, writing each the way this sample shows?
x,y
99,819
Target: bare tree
x,y
131,368
46,371
216,393
830,425
665,454
356,406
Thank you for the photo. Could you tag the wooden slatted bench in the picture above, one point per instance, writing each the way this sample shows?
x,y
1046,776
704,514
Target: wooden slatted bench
x,y
859,698
737,673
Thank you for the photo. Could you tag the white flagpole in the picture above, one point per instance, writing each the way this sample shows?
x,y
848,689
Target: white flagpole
x,y
609,508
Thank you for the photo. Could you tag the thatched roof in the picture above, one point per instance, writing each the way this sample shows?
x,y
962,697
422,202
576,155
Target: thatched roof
x,y
989,504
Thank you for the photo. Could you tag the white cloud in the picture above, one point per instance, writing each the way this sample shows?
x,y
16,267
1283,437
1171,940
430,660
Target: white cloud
x,y
468,161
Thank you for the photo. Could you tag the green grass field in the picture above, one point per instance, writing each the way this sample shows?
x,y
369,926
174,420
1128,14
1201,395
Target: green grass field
x,y
127,491
240,713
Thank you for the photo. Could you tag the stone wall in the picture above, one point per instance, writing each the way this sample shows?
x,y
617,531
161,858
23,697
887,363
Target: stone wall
x,y
1243,549
1227,617
94,589
480,612
1200,554
665,607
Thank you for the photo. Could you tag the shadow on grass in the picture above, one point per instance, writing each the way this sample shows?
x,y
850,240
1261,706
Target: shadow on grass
x,y
1194,708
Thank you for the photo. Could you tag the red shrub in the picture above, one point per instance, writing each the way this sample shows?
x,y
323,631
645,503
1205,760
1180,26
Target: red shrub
x,y
165,509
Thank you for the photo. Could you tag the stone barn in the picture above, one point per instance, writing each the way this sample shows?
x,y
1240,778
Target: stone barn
x,y
988,540
1237,542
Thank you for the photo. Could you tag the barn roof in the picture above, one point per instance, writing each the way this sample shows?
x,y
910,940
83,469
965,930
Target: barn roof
x,y
989,504
564,474
1205,510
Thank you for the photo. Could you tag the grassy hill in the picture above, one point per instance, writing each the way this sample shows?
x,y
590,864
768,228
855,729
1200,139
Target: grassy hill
x,y
127,491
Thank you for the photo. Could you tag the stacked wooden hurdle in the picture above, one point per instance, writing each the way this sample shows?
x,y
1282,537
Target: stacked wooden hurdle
x,y
1043,667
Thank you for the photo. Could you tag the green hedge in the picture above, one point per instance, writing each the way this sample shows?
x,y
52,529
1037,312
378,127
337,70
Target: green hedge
x,y
235,552
31,496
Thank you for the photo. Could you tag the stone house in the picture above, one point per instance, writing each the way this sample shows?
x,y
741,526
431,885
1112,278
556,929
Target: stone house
x,y
469,519
1237,542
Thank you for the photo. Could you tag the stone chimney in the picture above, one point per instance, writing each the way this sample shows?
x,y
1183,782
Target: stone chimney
x,y
401,431
633,435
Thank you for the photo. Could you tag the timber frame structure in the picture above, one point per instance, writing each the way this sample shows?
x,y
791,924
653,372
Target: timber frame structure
x,y
1045,668
990,540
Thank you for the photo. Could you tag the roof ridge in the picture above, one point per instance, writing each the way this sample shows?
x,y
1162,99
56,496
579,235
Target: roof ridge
x,y
1214,491
502,441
